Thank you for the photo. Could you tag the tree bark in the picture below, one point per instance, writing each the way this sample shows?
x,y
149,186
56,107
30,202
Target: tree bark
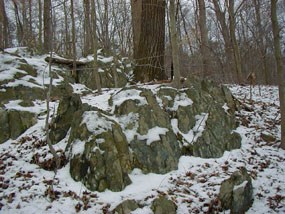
x,y
204,43
95,47
174,45
74,71
235,46
280,67
221,17
149,41
47,26
4,29
40,38
260,41
87,28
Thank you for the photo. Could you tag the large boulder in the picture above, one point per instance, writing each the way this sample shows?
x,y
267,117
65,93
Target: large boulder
x,y
100,156
214,106
13,123
61,124
236,193
148,130
4,126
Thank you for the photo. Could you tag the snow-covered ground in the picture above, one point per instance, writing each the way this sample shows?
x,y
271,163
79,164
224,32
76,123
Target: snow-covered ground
x,y
26,188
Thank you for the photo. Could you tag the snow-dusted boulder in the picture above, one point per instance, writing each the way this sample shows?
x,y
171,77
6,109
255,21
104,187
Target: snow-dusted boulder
x,y
100,156
236,193
13,123
61,124
148,130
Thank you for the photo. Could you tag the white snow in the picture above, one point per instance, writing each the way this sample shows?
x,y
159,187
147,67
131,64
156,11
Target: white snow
x,y
193,186
242,185
78,147
130,94
153,134
94,123
181,100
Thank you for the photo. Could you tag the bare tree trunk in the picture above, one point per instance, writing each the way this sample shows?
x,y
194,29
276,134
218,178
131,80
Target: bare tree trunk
x,y
234,41
204,46
280,68
4,29
87,28
40,39
95,47
105,33
149,41
67,41
221,17
260,41
47,26
174,45
74,71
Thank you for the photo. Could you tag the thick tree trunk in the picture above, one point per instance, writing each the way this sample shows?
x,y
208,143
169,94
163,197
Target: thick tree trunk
x,y
204,43
280,68
149,33
174,45
221,17
260,42
87,28
4,29
95,47
47,25
234,41
74,71
40,39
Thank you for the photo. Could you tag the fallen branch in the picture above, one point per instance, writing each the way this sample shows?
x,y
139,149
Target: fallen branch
x,y
63,61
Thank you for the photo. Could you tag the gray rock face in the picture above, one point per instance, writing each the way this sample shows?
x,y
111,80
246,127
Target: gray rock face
x,y
236,192
13,123
126,207
162,205
100,153
62,122
4,126
219,105
154,144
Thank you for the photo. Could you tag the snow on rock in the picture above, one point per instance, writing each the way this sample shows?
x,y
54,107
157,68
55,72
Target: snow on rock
x,y
181,99
153,134
95,124
130,94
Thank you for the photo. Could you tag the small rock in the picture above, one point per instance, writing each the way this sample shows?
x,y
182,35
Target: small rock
x,y
126,207
268,138
163,205
236,193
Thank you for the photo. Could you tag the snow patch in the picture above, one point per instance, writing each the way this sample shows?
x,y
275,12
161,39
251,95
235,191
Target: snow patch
x,y
94,123
153,134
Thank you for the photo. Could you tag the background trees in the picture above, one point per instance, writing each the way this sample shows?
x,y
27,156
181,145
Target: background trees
x,y
226,40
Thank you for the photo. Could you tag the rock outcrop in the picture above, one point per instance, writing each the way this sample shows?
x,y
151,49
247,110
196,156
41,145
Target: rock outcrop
x,y
100,153
236,193
13,123
62,122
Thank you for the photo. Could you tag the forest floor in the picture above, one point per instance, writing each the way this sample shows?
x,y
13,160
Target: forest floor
x,y
25,187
